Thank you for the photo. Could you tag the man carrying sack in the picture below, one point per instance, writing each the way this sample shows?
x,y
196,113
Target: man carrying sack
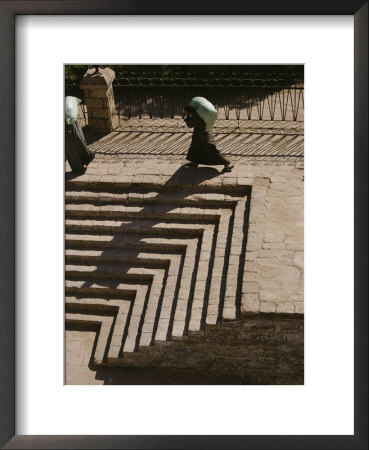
x,y
201,115
76,150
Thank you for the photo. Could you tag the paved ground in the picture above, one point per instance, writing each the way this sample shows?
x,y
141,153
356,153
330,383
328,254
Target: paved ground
x,y
260,143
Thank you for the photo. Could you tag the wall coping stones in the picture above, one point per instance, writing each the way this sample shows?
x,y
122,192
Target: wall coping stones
x,y
99,96
102,78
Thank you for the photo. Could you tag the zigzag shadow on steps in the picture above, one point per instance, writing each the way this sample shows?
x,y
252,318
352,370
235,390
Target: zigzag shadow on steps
x,y
137,237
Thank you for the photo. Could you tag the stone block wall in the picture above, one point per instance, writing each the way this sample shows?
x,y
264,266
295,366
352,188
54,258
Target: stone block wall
x,y
99,96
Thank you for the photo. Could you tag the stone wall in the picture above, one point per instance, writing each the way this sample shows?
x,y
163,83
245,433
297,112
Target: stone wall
x,y
99,97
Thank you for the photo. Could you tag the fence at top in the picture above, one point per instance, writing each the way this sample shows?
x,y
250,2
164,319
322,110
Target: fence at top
x,y
239,95
243,95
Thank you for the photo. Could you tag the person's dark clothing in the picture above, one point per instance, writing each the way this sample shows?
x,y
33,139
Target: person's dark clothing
x,y
203,149
76,149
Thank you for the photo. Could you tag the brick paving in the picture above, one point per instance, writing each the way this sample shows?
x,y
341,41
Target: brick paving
x,y
256,143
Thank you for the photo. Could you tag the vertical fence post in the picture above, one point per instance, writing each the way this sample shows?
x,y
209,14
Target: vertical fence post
x,y
97,85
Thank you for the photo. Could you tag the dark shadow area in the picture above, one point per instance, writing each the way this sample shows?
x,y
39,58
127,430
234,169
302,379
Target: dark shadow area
x,y
153,376
92,136
72,175
258,350
192,174
241,268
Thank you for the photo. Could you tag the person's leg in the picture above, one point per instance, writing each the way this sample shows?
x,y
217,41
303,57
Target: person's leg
x,y
213,157
76,165
227,167
191,157
85,153
72,145
89,157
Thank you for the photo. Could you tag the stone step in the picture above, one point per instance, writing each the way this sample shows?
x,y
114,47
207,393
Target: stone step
x,y
150,211
109,288
107,271
213,200
128,226
116,241
109,304
115,256
124,183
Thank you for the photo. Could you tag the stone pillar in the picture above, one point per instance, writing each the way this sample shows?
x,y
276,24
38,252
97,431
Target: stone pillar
x,y
98,89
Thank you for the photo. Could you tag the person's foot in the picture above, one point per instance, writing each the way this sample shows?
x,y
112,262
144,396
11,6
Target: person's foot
x,y
92,156
191,164
227,168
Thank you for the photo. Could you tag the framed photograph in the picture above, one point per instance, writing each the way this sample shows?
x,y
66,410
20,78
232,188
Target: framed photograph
x,y
181,187
186,244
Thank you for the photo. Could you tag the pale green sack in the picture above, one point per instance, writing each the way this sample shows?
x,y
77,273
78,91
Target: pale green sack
x,y
71,109
205,110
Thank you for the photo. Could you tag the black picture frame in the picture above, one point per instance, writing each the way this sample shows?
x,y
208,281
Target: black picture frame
x,y
8,11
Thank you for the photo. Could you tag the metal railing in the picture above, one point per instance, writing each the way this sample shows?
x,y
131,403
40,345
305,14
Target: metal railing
x,y
239,96
236,96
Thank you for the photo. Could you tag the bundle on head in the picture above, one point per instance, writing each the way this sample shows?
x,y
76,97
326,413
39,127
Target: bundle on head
x,y
205,110
189,109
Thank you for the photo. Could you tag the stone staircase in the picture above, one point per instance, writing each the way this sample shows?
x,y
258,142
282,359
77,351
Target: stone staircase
x,y
149,262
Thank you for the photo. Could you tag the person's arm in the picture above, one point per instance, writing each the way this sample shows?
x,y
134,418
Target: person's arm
x,y
198,122
195,121
189,121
